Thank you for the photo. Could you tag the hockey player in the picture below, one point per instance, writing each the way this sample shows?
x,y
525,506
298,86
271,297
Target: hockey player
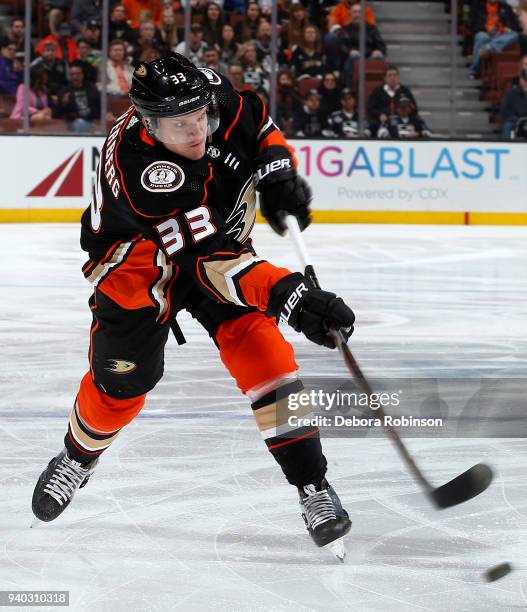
x,y
168,229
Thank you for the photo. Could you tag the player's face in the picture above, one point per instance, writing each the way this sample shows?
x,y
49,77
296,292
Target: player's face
x,y
185,135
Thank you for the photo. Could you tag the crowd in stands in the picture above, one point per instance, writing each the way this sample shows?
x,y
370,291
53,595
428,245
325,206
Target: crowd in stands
x,y
318,45
317,52
499,59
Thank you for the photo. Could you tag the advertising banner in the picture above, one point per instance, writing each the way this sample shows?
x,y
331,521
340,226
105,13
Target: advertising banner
x,y
50,179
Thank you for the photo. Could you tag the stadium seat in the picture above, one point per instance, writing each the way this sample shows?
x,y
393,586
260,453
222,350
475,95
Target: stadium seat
x,y
52,126
10,125
6,105
117,106
304,85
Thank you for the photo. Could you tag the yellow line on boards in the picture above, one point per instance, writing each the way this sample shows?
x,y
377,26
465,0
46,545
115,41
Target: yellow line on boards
x,y
73,215
40,215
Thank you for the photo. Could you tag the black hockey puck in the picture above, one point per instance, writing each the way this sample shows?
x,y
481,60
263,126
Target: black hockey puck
x,y
497,572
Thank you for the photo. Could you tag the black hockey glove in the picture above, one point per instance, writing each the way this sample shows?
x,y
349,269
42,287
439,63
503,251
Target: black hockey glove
x,y
282,192
311,311
290,197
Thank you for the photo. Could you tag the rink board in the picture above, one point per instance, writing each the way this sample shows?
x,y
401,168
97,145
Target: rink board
x,y
50,178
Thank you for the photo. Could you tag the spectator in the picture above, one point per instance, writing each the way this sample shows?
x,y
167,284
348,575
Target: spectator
x,y
65,45
79,102
10,68
253,73
147,37
200,4
514,108
212,23
83,11
57,10
235,76
55,68
211,59
522,65
307,59
246,28
118,70
308,121
375,47
522,13
87,60
118,26
39,109
142,10
495,27
344,123
330,94
383,100
263,44
404,123
91,32
228,46
340,15
288,101
196,46
292,33
15,34
168,29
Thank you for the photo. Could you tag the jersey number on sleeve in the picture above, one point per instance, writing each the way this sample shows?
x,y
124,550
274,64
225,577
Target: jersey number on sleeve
x,y
199,224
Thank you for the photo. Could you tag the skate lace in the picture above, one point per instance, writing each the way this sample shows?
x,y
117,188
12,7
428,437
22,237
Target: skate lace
x,y
65,480
319,508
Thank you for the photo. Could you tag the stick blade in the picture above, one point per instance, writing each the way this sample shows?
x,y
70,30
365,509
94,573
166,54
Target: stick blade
x,y
464,487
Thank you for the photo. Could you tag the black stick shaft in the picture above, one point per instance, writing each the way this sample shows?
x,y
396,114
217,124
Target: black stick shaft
x,y
365,386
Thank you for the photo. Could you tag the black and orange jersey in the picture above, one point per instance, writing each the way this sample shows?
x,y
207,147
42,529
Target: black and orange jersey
x,y
154,213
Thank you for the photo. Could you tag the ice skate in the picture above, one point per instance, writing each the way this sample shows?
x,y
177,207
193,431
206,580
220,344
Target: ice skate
x,y
326,520
57,486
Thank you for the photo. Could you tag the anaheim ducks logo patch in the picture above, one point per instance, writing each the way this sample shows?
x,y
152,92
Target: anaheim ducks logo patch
x,y
140,71
120,366
162,176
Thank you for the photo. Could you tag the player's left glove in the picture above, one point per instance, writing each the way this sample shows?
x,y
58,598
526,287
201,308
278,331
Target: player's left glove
x,y
312,311
282,192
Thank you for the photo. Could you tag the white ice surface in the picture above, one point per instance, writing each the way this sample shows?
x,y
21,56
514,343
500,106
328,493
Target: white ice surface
x,y
188,511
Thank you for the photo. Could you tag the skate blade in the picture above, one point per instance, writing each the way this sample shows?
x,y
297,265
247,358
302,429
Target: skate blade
x,y
337,549
36,523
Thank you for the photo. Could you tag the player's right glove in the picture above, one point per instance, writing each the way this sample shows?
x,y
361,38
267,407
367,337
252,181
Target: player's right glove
x,y
312,311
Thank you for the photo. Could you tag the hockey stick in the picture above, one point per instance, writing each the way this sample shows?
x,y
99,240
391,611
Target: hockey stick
x,y
458,490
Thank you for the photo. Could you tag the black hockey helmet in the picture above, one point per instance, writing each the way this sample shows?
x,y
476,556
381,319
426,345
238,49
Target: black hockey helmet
x,y
172,86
